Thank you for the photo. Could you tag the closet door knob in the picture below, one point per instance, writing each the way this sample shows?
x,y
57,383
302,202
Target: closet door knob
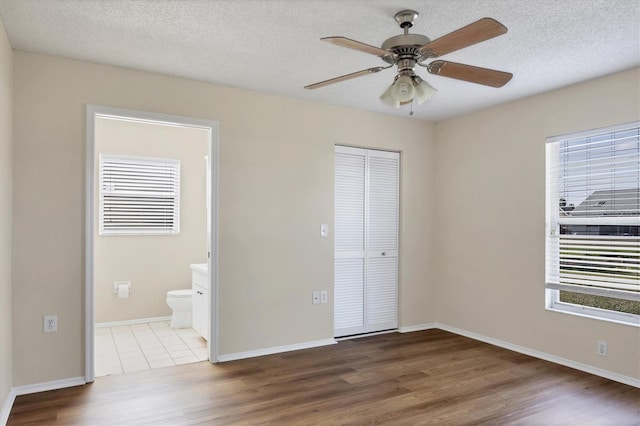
x,y
384,253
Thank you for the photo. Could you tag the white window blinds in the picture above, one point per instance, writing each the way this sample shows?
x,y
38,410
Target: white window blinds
x,y
593,212
139,195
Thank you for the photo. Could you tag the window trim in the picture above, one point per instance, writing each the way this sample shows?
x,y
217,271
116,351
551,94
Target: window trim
x,y
156,161
552,291
554,304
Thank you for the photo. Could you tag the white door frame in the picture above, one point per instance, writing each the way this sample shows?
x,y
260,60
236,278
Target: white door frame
x,y
94,111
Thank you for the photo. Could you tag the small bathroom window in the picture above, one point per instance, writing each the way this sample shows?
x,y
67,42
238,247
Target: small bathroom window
x,y
139,195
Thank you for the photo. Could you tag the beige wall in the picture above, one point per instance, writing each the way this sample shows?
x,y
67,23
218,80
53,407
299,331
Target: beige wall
x,y
6,101
154,264
482,268
276,188
490,213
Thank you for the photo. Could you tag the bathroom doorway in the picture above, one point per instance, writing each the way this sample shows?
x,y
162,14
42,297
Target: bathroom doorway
x,y
151,190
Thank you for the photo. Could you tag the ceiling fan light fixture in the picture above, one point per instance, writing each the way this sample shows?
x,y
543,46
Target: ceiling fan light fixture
x,y
400,92
403,89
388,98
424,91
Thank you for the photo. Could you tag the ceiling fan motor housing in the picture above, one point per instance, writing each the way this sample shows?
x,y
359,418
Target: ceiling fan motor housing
x,y
407,47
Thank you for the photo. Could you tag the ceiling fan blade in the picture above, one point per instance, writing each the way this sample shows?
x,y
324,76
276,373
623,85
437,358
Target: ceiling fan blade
x,y
345,77
362,47
481,30
470,73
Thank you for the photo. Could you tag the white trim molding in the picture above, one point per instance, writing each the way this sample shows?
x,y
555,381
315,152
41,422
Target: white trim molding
x,y
7,405
360,336
93,111
627,380
418,327
275,350
131,322
47,386
35,388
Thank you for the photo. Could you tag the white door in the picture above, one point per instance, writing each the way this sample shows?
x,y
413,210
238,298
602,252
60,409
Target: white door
x,y
366,240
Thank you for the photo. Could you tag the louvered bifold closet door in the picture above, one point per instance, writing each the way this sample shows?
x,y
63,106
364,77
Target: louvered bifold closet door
x,y
366,240
349,259
381,307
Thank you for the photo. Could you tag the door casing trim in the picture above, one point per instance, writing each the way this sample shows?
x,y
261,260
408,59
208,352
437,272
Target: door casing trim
x,y
93,111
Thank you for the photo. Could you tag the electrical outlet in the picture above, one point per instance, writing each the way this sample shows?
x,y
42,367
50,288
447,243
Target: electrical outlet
x,y
50,324
324,296
602,348
315,297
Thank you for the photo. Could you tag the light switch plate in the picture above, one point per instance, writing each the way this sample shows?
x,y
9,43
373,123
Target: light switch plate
x,y
324,230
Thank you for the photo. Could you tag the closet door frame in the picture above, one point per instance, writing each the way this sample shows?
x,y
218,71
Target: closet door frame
x,y
368,253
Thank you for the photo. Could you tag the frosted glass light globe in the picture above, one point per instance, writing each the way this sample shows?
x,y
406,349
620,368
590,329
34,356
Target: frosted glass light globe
x,y
403,89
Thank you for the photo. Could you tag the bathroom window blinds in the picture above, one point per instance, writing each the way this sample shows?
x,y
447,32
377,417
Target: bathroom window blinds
x,y
139,195
593,213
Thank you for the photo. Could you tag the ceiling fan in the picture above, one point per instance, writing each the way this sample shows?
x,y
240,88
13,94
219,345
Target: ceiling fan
x,y
408,50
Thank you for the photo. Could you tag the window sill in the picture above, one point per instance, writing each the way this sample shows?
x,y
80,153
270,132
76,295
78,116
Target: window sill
x,y
595,313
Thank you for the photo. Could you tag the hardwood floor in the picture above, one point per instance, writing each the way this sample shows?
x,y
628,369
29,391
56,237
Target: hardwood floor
x,y
428,377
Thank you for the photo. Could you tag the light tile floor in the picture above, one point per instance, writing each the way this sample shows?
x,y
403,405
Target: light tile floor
x,y
129,348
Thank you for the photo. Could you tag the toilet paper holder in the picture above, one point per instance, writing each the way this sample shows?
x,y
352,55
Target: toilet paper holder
x,y
122,288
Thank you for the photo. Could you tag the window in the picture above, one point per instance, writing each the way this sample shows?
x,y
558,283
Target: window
x,y
593,223
139,195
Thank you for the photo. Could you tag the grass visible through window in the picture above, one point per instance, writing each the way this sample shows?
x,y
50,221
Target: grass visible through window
x,y
602,302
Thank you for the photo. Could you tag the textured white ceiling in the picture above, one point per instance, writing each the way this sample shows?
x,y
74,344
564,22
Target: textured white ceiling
x,y
273,46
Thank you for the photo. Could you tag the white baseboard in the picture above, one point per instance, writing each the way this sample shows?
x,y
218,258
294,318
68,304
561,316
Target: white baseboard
x,y
131,322
6,407
47,386
275,350
419,327
361,336
627,380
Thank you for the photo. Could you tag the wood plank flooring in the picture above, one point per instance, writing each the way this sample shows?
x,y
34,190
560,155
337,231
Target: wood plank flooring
x,y
420,378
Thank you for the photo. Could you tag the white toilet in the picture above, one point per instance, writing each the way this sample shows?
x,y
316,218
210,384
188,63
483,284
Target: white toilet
x,y
180,301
